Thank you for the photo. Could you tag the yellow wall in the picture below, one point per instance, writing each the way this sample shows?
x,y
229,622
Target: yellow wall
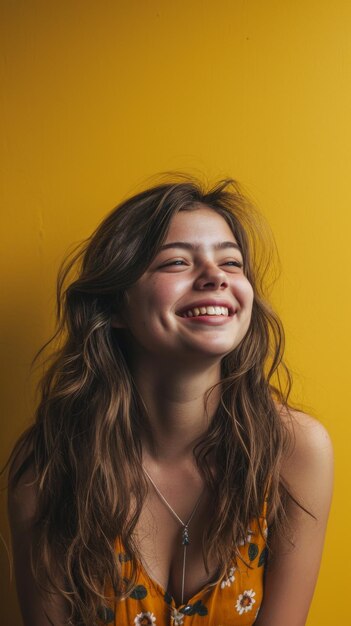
x,y
102,94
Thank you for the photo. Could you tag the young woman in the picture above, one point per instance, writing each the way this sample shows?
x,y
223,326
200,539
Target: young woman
x,y
166,479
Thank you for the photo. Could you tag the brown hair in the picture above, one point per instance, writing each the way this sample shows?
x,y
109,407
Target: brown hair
x,y
84,445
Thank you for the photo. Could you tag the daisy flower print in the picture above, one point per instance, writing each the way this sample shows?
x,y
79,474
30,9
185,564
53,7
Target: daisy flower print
x,y
145,619
245,601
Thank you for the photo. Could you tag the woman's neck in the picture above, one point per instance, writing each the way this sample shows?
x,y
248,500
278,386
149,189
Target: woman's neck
x,y
175,399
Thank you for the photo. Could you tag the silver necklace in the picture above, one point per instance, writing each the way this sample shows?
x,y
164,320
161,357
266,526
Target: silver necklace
x,y
185,525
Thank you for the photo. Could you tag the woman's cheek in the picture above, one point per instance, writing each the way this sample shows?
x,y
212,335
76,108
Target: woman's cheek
x,y
244,293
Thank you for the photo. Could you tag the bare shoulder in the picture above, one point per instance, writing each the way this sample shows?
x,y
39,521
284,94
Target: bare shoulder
x,y
292,569
308,436
36,607
307,432
309,460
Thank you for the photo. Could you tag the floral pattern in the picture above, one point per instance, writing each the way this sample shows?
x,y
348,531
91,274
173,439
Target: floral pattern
x,y
195,608
177,618
245,601
106,615
234,601
248,538
265,530
230,578
145,619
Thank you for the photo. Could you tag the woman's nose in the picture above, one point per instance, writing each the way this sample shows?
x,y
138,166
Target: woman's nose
x,y
211,277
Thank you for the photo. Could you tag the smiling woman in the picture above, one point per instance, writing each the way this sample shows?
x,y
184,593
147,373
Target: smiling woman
x,y
186,488
198,270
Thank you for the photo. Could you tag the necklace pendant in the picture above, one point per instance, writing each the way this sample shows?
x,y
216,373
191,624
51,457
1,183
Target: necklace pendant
x,y
185,538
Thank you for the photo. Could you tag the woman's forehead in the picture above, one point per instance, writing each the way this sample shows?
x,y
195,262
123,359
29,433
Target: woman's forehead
x,y
200,225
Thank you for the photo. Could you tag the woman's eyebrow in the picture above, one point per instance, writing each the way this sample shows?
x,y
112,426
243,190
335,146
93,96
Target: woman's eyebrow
x,y
191,246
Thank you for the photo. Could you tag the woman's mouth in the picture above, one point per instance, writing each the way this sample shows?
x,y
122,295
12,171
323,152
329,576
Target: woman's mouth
x,y
206,310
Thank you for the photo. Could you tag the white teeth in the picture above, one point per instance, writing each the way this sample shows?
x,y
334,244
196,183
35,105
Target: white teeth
x,y
207,310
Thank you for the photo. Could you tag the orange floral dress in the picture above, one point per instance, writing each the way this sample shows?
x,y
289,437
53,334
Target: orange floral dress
x,y
233,601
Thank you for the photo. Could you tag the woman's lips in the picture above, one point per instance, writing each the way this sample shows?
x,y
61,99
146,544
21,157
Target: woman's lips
x,y
210,320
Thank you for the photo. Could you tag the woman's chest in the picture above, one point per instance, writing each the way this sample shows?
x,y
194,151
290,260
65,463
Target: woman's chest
x,y
234,601
171,546
155,599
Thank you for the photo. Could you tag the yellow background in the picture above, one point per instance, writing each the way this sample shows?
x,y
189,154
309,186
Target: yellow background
x,y
99,95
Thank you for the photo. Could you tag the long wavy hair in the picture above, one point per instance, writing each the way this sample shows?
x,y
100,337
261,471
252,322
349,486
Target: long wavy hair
x,y
84,446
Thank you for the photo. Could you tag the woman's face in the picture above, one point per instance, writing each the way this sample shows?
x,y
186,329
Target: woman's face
x,y
194,300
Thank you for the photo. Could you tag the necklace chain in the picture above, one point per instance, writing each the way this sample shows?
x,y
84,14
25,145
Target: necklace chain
x,y
184,524
185,533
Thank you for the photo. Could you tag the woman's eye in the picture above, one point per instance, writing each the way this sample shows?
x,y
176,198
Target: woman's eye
x,y
174,262
234,263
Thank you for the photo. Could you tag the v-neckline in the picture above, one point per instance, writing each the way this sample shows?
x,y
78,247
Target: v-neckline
x,y
165,592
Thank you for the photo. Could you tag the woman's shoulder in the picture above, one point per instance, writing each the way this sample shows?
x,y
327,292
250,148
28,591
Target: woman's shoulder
x,y
308,435
307,464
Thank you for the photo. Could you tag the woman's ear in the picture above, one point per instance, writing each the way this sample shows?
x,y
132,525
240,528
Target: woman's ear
x,y
117,321
118,311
